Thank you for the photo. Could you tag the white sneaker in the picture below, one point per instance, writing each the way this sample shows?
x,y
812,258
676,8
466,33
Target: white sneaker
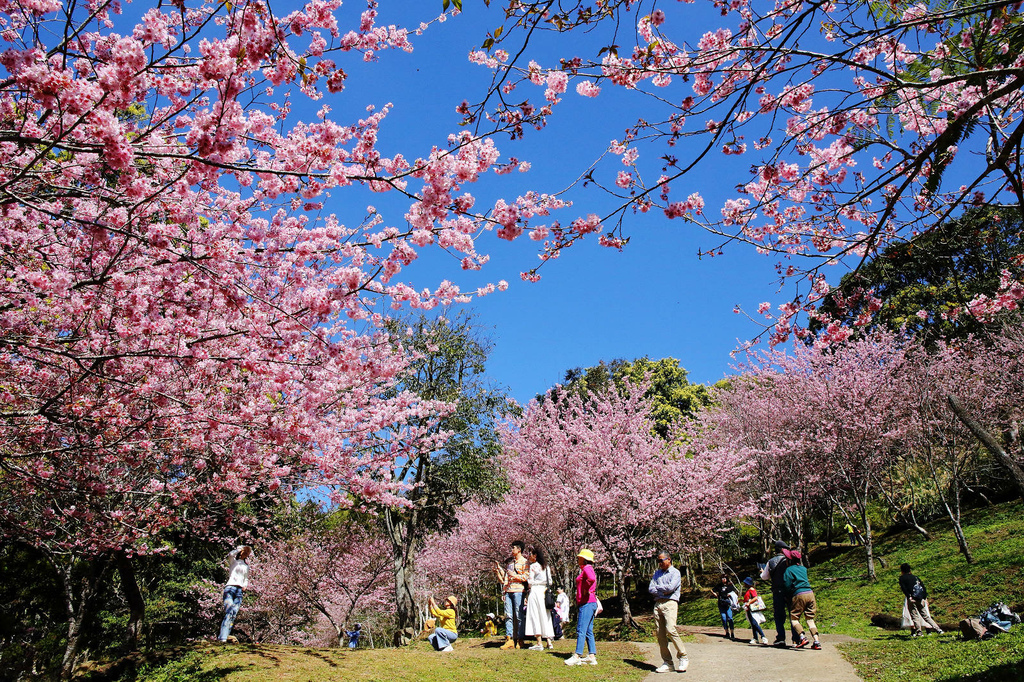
x,y
682,664
591,659
753,641
448,648
663,668
574,660
536,647
551,645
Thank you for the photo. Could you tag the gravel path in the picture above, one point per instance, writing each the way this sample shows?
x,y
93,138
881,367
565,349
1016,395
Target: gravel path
x,y
714,658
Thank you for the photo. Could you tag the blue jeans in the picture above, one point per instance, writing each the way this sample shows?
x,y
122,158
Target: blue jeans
x,y
758,632
585,627
515,615
442,638
727,621
232,602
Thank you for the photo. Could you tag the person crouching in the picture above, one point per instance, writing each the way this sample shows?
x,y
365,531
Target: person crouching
x,y
445,631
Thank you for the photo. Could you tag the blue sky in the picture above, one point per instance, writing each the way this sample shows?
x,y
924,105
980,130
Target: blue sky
x,y
655,298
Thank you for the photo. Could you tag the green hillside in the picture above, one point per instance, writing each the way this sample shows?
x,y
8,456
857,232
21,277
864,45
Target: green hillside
x,y
957,590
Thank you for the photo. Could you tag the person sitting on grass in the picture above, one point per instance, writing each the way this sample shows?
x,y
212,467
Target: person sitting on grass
x,y
445,631
801,599
489,628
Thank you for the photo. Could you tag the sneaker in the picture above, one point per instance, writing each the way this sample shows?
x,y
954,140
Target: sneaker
x,y
779,642
915,634
816,646
551,645
448,649
509,643
536,647
764,641
574,660
802,643
753,641
940,632
682,664
663,668
590,660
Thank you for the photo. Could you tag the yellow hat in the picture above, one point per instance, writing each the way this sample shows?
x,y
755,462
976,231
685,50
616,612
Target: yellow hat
x,y
586,554
451,599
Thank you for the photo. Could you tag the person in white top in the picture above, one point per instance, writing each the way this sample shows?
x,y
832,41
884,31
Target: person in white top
x,y
238,580
561,612
538,618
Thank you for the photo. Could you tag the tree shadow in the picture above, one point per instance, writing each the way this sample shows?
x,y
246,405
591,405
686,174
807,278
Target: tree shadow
x,y
998,673
312,653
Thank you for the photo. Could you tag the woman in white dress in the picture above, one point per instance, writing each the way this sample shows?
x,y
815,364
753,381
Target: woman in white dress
x,y
538,617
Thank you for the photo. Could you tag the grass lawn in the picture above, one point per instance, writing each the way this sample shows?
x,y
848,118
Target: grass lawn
x,y
472,661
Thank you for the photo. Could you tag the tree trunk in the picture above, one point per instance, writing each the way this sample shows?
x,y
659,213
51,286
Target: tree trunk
x,y
133,595
78,612
405,594
1016,472
868,544
627,615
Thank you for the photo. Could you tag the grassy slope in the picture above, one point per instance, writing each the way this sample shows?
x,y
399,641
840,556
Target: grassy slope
x,y
847,600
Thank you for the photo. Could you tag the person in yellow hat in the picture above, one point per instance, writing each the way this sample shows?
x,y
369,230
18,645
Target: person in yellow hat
x,y
445,631
586,602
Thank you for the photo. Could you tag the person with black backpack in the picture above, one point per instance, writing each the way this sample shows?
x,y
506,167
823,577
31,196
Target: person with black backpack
x,y
917,602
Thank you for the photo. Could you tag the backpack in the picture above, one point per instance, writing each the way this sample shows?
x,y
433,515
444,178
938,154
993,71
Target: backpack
x,y
917,592
971,628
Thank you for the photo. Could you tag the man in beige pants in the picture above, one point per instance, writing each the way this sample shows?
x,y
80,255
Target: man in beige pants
x,y
664,587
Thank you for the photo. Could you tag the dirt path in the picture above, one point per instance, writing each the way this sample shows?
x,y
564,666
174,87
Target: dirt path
x,y
716,659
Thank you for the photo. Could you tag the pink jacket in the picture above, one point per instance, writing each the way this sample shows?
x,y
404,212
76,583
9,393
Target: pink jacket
x,y
586,585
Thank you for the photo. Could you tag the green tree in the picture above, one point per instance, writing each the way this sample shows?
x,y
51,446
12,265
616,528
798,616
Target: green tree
x,y
938,271
450,367
673,396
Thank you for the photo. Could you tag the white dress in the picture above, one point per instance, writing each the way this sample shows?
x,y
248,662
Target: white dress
x,y
538,618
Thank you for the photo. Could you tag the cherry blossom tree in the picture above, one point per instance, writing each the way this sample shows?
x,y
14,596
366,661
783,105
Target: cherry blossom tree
x,y
597,460
184,326
330,574
837,413
846,125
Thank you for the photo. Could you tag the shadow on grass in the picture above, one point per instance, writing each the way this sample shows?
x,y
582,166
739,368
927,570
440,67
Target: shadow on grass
x,y
999,673
320,655
258,650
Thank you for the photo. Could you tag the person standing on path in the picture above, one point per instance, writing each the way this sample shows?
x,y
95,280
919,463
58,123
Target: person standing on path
x,y
561,614
538,618
513,577
445,631
774,571
238,581
754,606
727,602
664,587
586,602
801,600
917,602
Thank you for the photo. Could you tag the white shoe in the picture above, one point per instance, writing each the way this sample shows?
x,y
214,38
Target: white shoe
x,y
448,648
536,647
574,660
551,645
753,641
590,660
682,664
663,668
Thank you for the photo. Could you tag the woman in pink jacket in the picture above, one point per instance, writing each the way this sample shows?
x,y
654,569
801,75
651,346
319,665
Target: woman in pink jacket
x,y
586,601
